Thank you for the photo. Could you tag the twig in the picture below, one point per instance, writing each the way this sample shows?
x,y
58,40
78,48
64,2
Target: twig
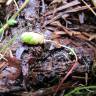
x,y
55,18
76,9
68,5
43,6
73,3
66,76
8,2
2,57
16,4
89,7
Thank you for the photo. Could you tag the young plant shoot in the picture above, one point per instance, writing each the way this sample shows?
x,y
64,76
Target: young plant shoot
x,y
33,38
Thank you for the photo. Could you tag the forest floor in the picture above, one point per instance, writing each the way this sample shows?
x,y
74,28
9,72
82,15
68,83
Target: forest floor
x,y
63,63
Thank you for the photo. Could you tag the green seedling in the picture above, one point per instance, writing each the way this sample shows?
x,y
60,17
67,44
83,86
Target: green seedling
x,y
33,38
78,89
12,20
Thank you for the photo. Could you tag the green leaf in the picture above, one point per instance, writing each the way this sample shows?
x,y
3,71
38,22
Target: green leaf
x,y
77,92
11,22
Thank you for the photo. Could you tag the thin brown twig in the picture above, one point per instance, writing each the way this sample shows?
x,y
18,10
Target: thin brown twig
x,y
68,5
89,7
66,76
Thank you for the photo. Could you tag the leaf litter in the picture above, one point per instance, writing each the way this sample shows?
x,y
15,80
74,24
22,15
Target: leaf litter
x,y
64,61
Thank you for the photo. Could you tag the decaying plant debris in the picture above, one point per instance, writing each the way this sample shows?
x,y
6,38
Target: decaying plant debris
x,y
64,61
